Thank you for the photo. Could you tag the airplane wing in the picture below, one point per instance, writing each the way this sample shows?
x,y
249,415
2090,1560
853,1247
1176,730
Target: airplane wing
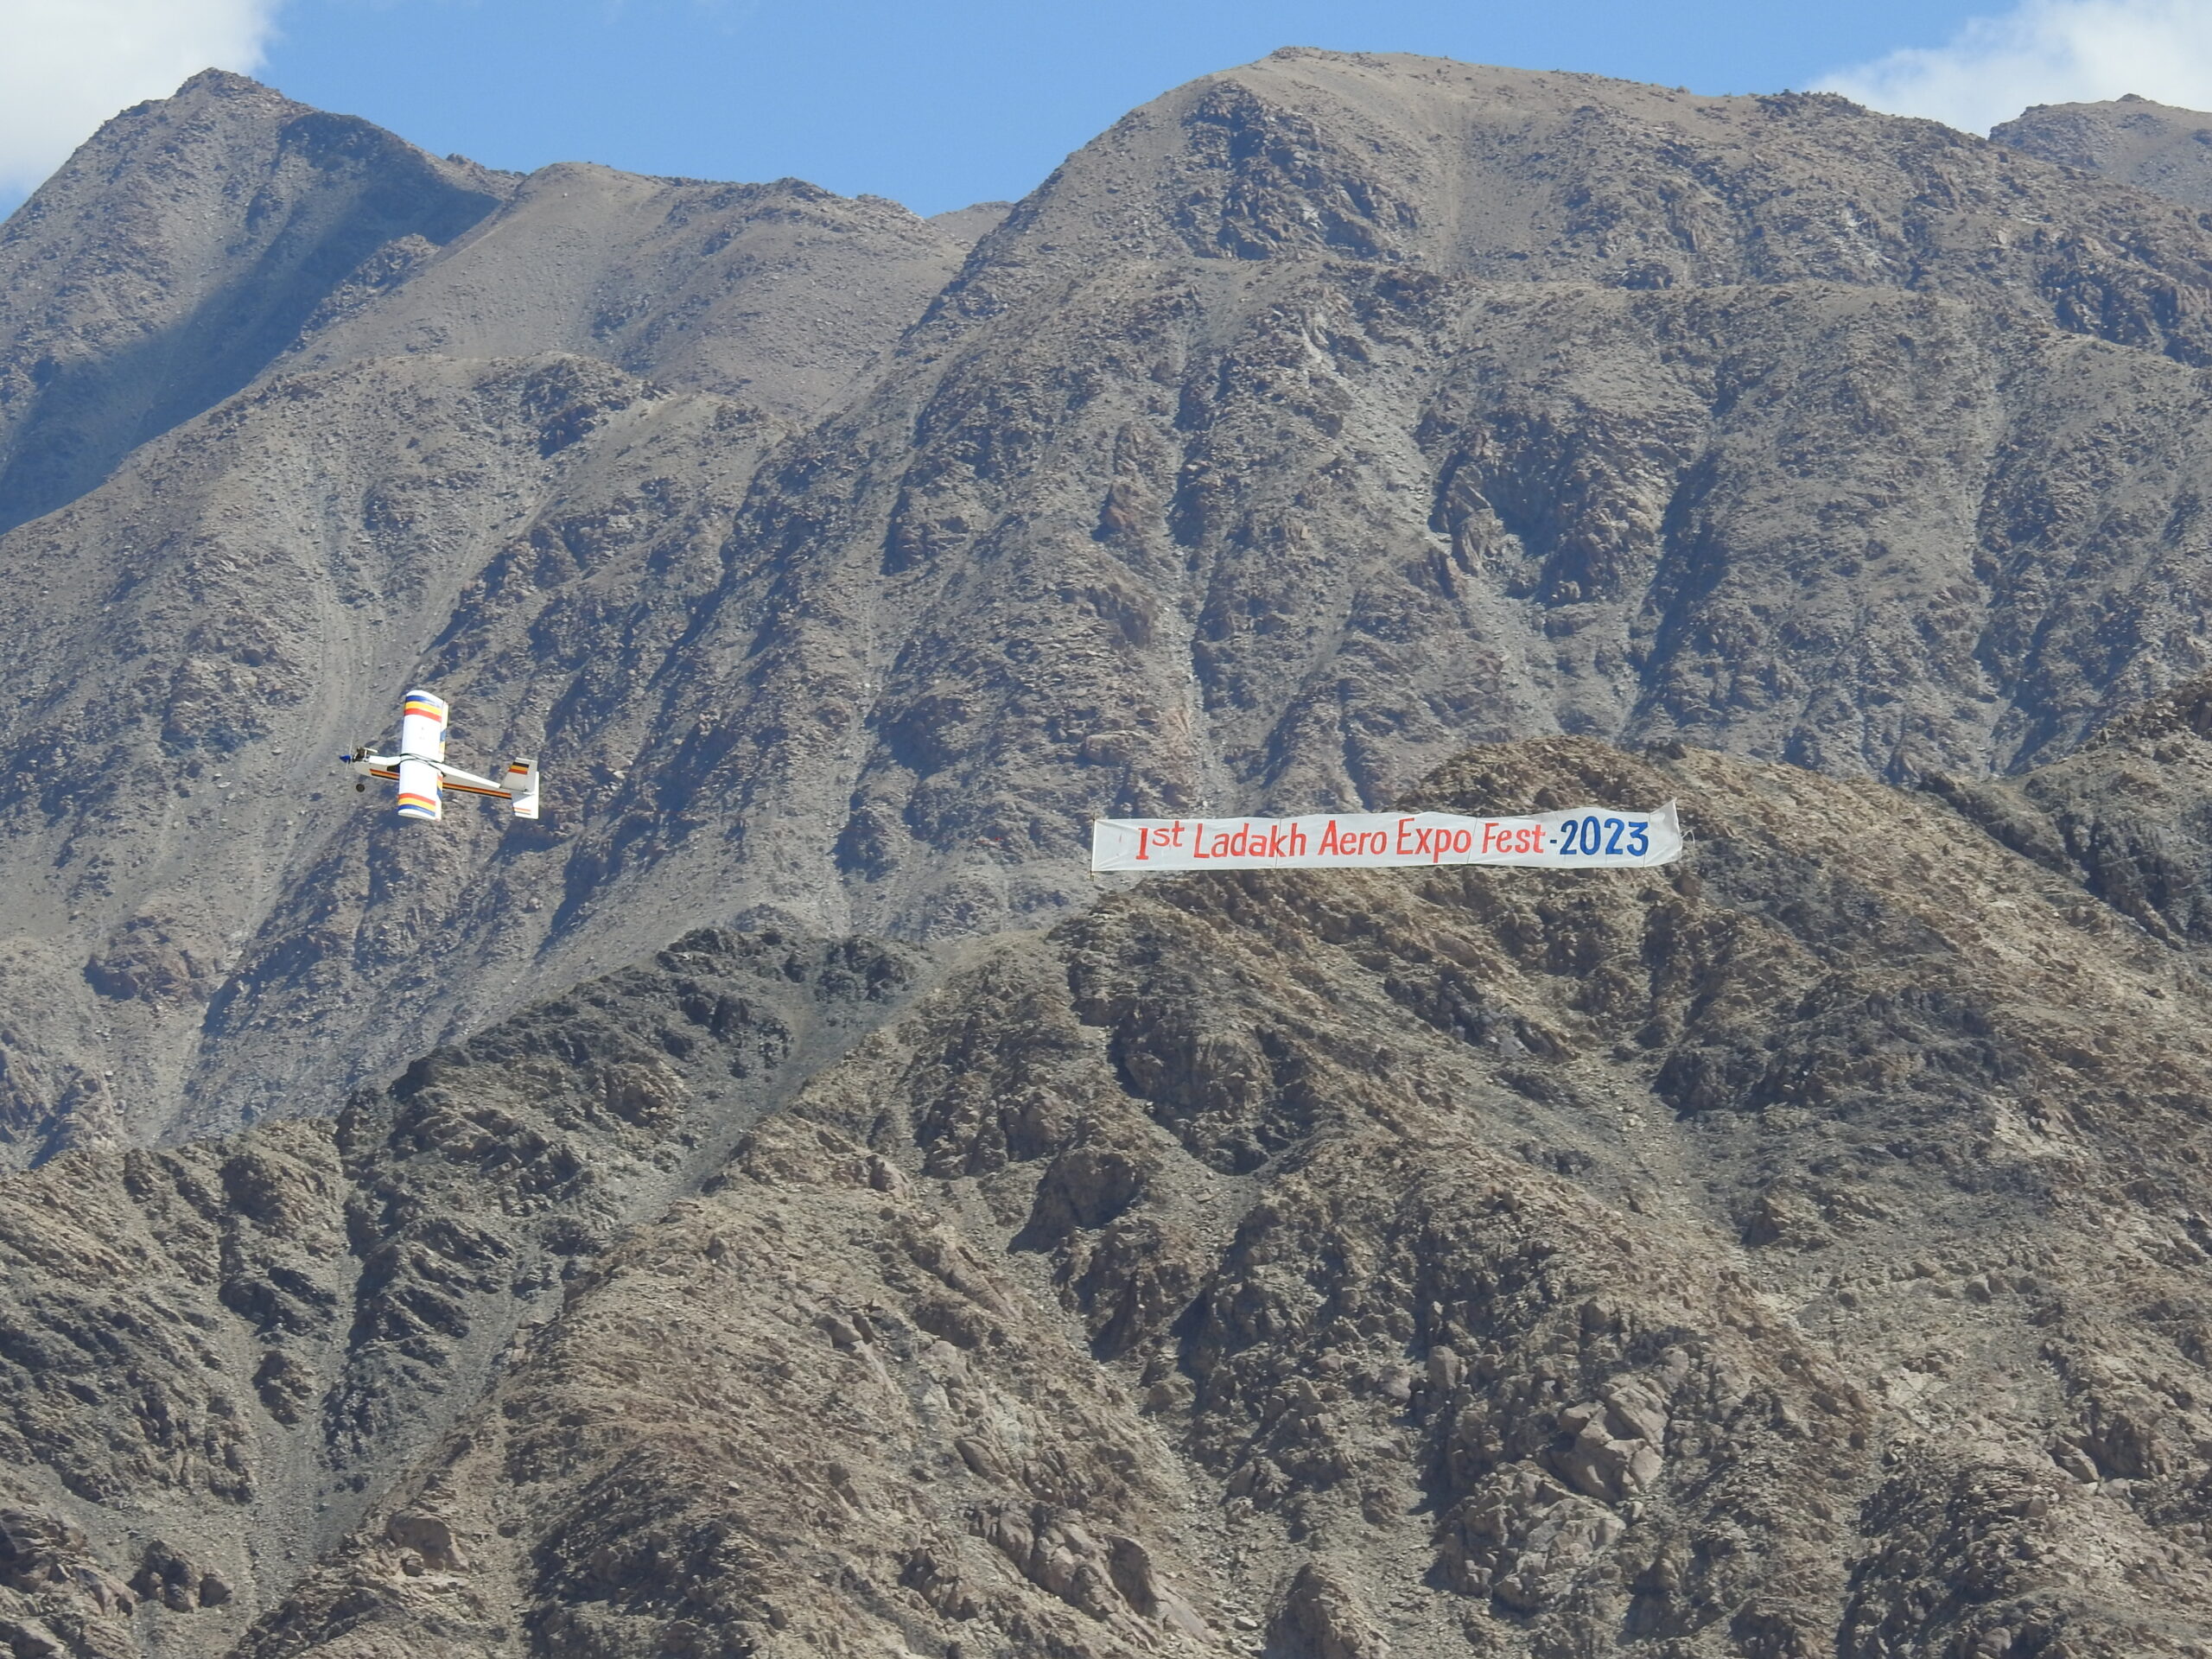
x,y
422,726
422,747
419,789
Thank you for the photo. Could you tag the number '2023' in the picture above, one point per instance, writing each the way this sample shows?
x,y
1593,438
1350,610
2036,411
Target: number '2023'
x,y
1594,837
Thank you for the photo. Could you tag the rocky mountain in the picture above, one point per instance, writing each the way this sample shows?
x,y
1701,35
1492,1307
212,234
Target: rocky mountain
x,y
178,252
1797,1250
584,381
219,1354
1320,418
1801,1249
2152,146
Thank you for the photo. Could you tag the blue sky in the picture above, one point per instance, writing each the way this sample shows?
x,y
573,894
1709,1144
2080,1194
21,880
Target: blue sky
x,y
936,103
940,105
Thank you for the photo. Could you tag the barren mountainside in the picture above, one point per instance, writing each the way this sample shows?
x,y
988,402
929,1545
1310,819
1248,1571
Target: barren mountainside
x,y
1799,1250
1320,418
779,1203
2155,146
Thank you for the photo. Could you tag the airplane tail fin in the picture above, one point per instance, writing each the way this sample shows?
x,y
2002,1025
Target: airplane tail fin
x,y
522,786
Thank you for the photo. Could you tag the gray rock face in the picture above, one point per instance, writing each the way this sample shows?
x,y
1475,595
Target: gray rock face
x,y
775,293
180,250
1799,1250
2154,147
1512,177
432,394
230,1348
1318,419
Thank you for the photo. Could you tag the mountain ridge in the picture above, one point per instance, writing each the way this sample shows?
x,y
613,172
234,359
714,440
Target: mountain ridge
x,y
859,648
2152,145
937,1250
321,192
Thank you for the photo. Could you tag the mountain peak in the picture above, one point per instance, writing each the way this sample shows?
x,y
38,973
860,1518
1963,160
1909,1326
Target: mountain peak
x,y
1514,175
222,83
177,252
2129,140
209,88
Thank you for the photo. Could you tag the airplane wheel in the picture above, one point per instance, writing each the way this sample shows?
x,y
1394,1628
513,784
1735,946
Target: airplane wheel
x,y
360,789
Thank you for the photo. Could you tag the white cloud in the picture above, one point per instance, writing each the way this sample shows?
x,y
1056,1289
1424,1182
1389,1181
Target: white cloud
x,y
2046,52
65,65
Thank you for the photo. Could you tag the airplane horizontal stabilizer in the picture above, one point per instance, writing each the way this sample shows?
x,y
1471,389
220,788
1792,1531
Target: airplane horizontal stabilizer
x,y
522,786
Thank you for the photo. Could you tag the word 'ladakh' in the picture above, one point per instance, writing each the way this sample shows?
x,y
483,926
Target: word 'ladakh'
x,y
1588,836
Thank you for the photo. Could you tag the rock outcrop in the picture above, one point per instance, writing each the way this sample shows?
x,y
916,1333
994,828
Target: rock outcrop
x,y
215,1357
2153,146
1796,1250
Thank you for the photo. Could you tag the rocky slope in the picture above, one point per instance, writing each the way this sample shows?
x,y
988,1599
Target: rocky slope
x,y
2152,146
251,571
1799,1250
214,1357
1320,418
180,250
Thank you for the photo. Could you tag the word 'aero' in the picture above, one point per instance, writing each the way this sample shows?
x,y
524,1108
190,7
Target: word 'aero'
x,y
421,771
1584,838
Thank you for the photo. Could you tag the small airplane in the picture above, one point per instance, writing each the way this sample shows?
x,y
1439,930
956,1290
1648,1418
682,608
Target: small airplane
x,y
421,771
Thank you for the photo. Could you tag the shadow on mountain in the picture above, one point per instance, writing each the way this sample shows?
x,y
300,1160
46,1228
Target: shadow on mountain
x,y
89,415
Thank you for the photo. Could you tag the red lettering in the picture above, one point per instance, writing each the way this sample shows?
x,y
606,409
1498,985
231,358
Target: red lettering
x,y
1405,825
1493,833
1143,836
1462,840
1329,841
1296,841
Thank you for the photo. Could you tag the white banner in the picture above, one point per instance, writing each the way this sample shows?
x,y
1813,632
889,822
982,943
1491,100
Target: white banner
x,y
1586,838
